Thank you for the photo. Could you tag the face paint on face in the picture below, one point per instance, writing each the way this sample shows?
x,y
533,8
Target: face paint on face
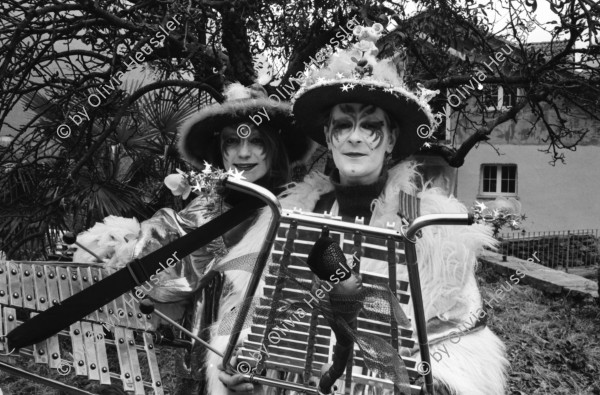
x,y
369,126
359,137
244,154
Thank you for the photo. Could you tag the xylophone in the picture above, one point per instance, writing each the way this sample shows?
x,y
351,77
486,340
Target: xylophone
x,y
27,288
312,346
301,349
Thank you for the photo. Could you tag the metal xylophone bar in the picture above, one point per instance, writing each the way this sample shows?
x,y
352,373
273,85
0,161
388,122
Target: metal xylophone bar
x,y
66,366
27,288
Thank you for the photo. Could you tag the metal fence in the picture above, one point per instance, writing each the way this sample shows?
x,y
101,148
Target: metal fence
x,y
569,248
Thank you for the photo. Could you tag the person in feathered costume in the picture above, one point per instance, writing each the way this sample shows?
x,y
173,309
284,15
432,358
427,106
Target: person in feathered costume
x,y
223,136
206,137
360,108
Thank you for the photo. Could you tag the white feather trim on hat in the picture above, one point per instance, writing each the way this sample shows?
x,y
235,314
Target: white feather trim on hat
x,y
237,91
341,63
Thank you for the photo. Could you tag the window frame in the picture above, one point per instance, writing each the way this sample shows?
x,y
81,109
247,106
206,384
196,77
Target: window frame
x,y
498,166
498,95
500,98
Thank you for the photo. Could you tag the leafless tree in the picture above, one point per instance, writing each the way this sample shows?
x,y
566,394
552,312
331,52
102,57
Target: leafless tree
x,y
55,55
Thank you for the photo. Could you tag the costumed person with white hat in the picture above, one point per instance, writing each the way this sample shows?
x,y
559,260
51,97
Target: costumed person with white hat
x,y
362,110
223,136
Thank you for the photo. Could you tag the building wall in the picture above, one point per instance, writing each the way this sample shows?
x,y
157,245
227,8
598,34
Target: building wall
x,y
521,132
560,197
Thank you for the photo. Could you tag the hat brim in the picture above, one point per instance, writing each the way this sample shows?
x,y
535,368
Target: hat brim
x,y
414,120
197,133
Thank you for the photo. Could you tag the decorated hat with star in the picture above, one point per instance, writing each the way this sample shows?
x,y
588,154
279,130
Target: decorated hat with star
x,y
200,132
355,75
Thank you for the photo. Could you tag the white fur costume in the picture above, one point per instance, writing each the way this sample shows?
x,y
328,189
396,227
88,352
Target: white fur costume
x,y
446,256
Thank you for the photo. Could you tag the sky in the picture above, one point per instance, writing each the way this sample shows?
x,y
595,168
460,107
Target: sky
x,y
543,14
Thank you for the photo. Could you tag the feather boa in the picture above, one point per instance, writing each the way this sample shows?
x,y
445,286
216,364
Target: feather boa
x,y
112,240
447,259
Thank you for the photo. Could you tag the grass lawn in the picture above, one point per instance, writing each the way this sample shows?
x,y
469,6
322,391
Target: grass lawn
x,y
553,343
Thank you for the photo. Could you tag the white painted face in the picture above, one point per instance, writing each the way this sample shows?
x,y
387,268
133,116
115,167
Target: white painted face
x,y
359,136
246,153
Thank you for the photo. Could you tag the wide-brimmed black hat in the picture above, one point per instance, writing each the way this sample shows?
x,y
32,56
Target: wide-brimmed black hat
x,y
355,75
242,104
